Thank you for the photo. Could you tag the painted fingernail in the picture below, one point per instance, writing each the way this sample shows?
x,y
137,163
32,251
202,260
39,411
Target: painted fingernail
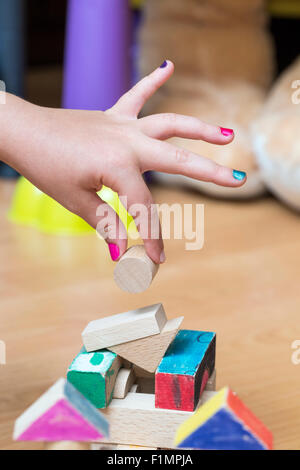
x,y
226,132
238,175
162,258
164,64
114,251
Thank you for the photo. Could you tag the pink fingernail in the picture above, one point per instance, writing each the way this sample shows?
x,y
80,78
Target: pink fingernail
x,y
114,251
226,132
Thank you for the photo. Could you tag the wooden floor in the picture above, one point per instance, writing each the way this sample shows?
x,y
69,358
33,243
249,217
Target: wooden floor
x,y
244,284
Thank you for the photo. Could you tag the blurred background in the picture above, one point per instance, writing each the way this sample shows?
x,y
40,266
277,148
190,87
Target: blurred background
x,y
236,65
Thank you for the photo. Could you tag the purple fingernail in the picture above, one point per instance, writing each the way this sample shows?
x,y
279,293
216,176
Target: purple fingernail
x,y
164,64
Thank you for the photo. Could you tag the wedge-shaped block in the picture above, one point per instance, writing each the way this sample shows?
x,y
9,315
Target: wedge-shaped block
x,y
184,370
124,327
223,423
134,420
61,414
148,352
94,375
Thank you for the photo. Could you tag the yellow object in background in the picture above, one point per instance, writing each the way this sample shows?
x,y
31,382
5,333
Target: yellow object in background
x,y
285,8
32,207
137,3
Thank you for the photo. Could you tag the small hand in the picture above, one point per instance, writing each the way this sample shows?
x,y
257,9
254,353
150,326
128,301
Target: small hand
x,y
70,154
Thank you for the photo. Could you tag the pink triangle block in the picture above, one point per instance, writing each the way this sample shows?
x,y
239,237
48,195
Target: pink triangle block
x,y
61,414
61,422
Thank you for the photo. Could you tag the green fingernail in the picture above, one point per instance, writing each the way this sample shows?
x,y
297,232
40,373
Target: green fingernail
x,y
238,175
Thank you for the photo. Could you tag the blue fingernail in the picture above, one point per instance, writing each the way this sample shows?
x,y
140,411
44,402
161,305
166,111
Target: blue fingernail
x,y
164,64
238,175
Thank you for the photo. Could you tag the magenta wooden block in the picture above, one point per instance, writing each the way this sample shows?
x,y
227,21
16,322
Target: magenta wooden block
x,y
61,414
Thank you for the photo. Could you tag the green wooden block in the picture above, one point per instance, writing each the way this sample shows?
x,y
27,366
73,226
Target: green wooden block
x,y
94,375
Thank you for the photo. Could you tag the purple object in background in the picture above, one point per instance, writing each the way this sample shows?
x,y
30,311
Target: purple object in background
x,y
97,68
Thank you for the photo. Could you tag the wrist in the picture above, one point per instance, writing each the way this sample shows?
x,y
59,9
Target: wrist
x,y
15,123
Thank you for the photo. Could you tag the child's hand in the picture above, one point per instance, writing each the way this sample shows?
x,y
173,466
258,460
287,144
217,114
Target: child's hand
x,y
70,154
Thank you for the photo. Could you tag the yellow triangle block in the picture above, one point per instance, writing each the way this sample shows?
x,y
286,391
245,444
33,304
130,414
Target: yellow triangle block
x,y
205,412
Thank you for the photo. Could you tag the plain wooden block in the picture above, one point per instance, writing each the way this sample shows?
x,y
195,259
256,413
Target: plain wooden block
x,y
139,372
135,271
67,445
135,388
94,374
124,327
183,372
223,423
126,364
148,352
96,446
211,383
146,384
124,381
61,414
145,380
135,420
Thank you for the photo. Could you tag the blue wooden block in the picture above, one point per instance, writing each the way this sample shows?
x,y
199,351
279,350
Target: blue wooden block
x,y
184,370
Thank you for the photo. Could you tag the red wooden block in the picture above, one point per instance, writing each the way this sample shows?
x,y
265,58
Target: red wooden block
x,y
184,370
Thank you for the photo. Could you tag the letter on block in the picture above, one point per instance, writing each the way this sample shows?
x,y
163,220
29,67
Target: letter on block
x,y
61,414
184,370
94,375
223,423
123,327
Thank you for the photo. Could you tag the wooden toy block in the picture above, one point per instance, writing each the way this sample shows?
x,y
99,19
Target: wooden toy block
x,y
211,383
146,384
223,423
124,381
126,364
67,445
135,421
145,380
139,372
94,374
135,271
148,352
184,370
61,414
124,327
135,388
96,446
